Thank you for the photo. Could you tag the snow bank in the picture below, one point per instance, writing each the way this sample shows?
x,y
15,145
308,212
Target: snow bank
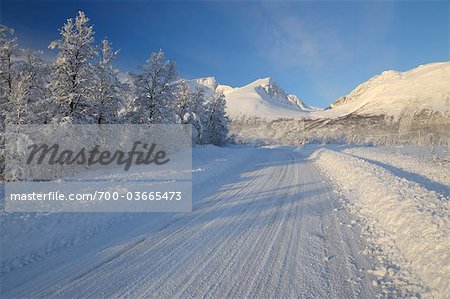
x,y
417,161
415,219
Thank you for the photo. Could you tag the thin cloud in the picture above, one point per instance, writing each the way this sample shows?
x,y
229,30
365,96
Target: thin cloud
x,y
294,41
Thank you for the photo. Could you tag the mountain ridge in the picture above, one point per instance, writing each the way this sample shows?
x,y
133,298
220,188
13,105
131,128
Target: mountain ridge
x,y
391,93
425,88
261,98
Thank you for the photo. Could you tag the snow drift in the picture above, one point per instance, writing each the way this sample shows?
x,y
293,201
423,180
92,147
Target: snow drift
x,y
414,221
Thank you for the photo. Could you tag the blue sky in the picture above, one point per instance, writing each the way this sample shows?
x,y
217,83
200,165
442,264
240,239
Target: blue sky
x,y
316,50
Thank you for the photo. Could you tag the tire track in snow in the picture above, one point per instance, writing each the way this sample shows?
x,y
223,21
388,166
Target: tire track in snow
x,y
165,238
179,241
213,256
265,236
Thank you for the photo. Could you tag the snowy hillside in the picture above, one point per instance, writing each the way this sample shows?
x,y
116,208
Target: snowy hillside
x,y
261,98
392,93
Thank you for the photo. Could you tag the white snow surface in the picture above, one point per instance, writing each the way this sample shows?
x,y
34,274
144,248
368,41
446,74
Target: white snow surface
x,y
392,93
404,205
264,225
36,235
310,221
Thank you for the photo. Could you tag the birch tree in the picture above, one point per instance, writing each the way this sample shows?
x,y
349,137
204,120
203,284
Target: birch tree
x,y
71,83
109,90
154,90
216,131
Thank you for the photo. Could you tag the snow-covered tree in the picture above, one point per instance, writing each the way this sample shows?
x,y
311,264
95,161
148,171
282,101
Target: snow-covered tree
x,y
216,127
8,57
23,86
198,114
23,82
154,90
182,100
72,84
189,108
28,98
108,90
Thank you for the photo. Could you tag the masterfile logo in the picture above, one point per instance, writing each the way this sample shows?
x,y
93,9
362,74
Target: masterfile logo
x,y
53,155
91,168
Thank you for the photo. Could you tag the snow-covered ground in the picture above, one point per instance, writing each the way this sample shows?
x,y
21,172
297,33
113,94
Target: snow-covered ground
x,y
403,203
35,235
311,221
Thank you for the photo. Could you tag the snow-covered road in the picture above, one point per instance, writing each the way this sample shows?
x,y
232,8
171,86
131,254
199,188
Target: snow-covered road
x,y
269,227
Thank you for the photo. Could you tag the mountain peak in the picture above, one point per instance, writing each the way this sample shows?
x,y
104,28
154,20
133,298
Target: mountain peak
x,y
260,98
268,86
209,82
266,80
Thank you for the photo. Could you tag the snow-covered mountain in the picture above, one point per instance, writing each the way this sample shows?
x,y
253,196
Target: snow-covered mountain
x,y
264,98
294,99
261,98
392,93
